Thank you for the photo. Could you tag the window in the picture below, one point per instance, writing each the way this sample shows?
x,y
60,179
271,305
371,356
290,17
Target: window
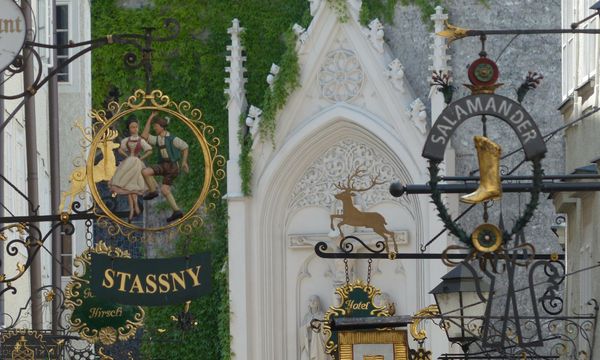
x,y
62,38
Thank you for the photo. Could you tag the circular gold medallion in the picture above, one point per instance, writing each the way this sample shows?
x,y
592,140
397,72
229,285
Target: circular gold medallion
x,y
160,142
486,238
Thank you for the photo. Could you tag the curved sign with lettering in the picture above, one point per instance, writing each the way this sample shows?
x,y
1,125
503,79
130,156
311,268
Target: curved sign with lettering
x,y
497,106
12,32
98,320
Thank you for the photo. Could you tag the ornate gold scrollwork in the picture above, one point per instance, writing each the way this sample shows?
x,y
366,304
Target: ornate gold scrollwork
x,y
100,139
421,335
75,299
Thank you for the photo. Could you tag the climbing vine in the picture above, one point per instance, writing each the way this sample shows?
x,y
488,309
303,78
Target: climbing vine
x,y
384,9
191,68
273,100
341,9
285,82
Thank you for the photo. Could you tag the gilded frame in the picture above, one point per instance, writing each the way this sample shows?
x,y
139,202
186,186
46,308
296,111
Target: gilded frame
x,y
397,338
344,293
191,117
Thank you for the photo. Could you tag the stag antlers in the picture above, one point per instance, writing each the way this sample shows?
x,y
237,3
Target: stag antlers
x,y
358,173
353,216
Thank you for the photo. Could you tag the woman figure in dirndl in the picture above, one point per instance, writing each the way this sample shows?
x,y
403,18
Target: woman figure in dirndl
x,y
128,179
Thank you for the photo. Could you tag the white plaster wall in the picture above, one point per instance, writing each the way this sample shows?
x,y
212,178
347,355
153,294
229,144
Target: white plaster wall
x,y
272,272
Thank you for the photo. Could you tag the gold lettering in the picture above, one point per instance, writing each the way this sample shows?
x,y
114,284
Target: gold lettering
x,y
108,281
194,276
137,284
124,277
352,305
87,293
178,279
98,312
163,283
8,25
150,284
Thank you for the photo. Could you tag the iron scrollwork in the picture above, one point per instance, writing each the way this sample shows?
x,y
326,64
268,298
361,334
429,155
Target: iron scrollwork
x,y
29,240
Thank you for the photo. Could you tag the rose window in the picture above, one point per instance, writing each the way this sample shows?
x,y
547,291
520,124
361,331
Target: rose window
x,y
341,76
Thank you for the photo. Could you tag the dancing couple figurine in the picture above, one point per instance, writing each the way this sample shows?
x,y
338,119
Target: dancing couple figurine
x,y
133,178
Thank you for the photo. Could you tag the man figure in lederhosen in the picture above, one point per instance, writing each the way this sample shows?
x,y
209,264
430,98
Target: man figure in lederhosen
x,y
171,150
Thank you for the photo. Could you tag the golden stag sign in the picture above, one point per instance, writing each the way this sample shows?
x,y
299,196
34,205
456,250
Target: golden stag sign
x,y
103,169
353,216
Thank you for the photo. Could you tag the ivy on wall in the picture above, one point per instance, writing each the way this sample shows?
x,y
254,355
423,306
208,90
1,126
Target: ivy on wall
x,y
384,9
274,100
191,68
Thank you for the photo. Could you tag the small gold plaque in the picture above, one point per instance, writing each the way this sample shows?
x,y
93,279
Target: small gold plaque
x,y
350,340
373,357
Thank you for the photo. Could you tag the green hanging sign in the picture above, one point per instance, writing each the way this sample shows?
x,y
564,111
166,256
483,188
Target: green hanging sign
x,y
150,281
356,300
97,320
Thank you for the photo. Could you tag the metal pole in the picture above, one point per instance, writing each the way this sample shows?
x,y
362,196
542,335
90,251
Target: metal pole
x,y
1,196
397,189
55,178
32,172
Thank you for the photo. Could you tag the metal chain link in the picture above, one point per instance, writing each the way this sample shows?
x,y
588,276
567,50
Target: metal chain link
x,y
486,216
369,272
88,233
346,269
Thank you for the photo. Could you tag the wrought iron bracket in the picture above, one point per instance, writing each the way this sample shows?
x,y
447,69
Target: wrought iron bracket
x,y
142,42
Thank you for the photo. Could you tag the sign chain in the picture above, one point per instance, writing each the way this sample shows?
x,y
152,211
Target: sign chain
x,y
369,272
88,233
346,270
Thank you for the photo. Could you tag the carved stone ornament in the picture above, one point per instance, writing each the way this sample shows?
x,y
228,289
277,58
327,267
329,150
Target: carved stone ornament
x,y
376,34
341,77
316,187
253,120
395,72
418,115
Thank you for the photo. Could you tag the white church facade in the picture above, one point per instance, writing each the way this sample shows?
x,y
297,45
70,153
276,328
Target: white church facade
x,y
353,110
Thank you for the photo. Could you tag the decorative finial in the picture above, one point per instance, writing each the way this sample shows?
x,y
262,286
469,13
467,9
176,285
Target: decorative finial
x,y
453,32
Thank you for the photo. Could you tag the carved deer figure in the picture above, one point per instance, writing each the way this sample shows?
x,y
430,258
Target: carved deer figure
x,y
102,171
353,216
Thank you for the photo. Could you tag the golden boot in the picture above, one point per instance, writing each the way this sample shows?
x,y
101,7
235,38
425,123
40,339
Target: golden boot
x,y
490,187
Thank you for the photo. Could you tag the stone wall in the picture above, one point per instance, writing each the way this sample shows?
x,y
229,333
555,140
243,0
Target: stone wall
x,y
408,37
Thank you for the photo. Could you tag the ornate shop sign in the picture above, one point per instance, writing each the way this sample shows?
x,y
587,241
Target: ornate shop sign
x,y
498,106
150,281
12,32
373,345
17,344
356,300
487,239
139,150
98,320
